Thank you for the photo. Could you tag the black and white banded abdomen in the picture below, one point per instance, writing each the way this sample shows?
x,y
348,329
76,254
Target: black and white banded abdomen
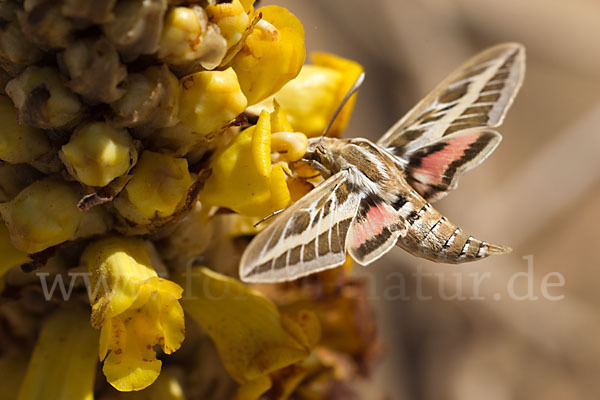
x,y
432,236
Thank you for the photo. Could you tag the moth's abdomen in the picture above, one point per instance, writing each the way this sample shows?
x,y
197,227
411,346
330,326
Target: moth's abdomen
x,y
432,236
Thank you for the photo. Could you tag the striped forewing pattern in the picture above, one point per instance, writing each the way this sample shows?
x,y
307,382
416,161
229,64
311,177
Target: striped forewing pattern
x,y
477,94
307,237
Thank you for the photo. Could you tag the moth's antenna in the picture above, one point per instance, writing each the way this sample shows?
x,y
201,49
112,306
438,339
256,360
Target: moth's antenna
x,y
269,217
357,83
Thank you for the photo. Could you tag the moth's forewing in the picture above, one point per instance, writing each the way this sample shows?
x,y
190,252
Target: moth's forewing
x,y
308,237
477,94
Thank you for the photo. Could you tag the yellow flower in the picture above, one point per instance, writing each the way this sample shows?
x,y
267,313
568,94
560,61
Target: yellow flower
x,y
253,339
158,188
210,99
63,364
243,177
311,99
135,310
272,54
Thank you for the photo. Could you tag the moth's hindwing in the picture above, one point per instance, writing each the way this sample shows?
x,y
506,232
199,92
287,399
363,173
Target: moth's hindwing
x,y
477,94
434,169
308,237
376,228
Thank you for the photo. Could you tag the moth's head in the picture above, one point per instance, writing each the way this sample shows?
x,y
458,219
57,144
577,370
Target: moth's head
x,y
323,151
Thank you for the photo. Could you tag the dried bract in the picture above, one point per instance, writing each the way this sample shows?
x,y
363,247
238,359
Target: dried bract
x,y
95,70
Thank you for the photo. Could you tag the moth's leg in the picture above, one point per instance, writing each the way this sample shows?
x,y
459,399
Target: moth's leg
x,y
323,171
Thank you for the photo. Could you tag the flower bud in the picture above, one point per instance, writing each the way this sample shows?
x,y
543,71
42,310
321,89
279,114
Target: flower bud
x,y
11,256
19,143
14,178
151,101
97,153
89,11
159,185
42,99
45,214
188,39
178,140
210,99
86,61
137,27
271,55
231,18
43,23
16,52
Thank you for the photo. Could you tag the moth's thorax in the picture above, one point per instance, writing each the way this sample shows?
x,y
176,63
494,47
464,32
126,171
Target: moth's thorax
x,y
333,155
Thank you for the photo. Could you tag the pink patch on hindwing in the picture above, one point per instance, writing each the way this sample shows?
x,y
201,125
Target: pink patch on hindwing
x,y
376,219
433,166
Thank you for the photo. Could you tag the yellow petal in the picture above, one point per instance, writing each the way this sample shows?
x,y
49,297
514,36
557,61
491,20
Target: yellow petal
x,y
298,188
272,54
350,71
131,373
235,182
117,265
261,144
279,120
247,4
13,366
243,178
253,390
292,145
245,326
310,99
280,194
166,387
304,326
56,370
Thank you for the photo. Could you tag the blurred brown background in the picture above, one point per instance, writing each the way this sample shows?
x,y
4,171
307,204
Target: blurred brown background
x,y
538,193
